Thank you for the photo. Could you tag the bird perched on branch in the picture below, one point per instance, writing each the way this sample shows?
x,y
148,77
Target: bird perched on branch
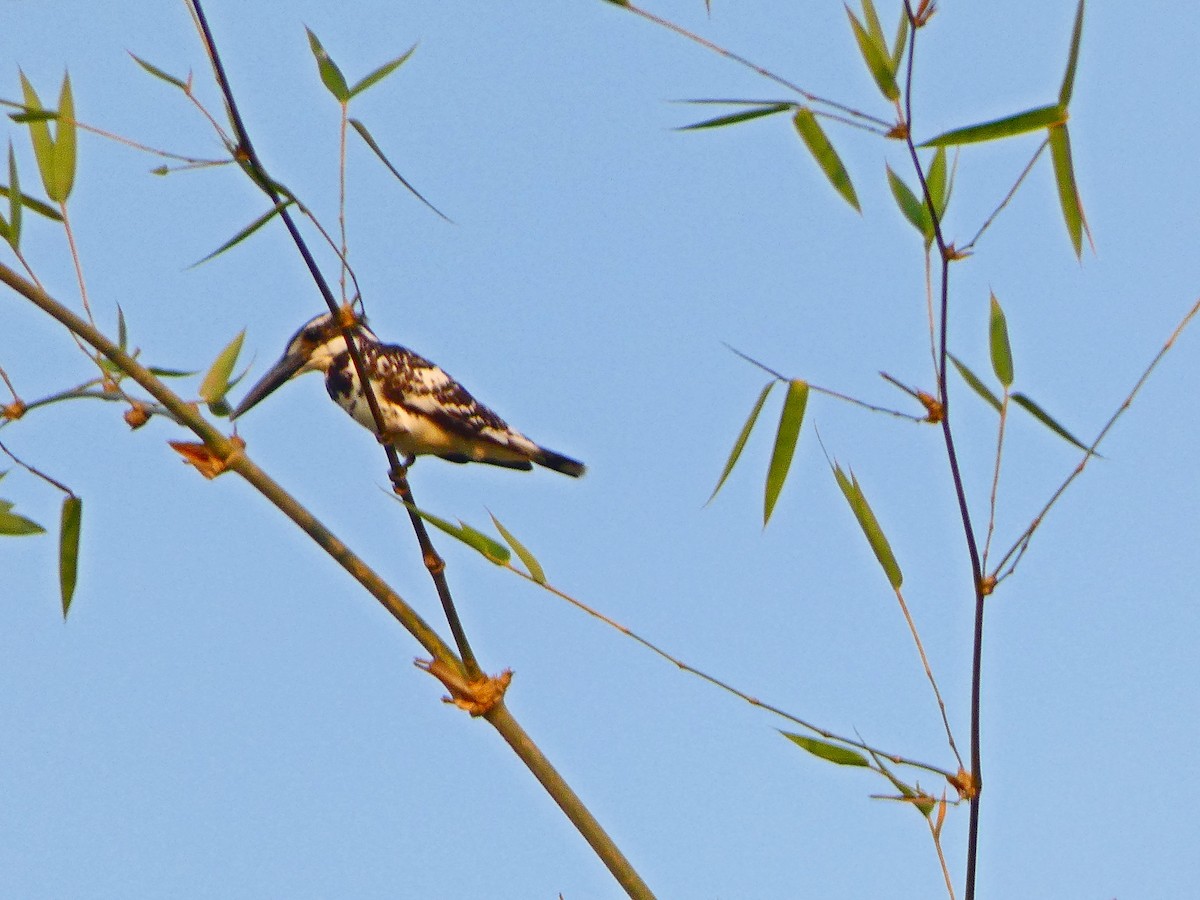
x,y
424,410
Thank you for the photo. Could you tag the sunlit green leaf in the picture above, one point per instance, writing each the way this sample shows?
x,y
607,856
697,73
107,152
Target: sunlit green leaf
x,y
936,181
745,115
331,75
216,381
531,564
1001,352
853,493
1068,82
871,19
68,549
877,57
1046,419
159,73
790,420
39,134
975,384
834,753
901,40
370,141
382,72
1021,123
245,232
913,208
492,549
740,444
64,144
13,525
1068,193
14,201
822,150
32,203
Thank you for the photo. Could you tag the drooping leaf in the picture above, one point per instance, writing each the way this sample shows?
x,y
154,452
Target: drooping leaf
x,y
740,444
68,549
822,150
531,564
245,232
913,208
370,141
790,420
382,72
878,58
1009,126
834,753
1001,351
159,73
1068,82
853,493
1023,401
746,115
1068,192
331,75
975,384
13,525
216,383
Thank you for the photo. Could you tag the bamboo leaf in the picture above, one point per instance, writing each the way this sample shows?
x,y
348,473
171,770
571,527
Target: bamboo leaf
x,y
936,181
68,549
159,73
877,57
874,26
170,373
370,141
1009,126
245,232
913,208
39,135
491,549
790,420
1046,419
974,383
32,203
122,334
853,493
64,144
822,150
331,75
13,525
1068,82
216,383
834,753
901,40
1068,192
746,115
14,201
1001,352
531,564
740,443
382,72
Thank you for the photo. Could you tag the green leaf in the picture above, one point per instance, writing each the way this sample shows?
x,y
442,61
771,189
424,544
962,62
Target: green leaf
x,y
913,207
32,203
1002,363
64,144
853,493
535,568
494,551
936,181
818,145
68,549
877,57
122,334
366,136
1046,419
331,75
216,383
901,40
170,373
159,73
39,135
834,753
874,26
746,115
14,201
1068,82
740,444
975,384
13,525
382,72
1009,126
790,420
245,232
1068,192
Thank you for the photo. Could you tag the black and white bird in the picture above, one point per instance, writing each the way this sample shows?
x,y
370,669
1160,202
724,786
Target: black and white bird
x,y
425,411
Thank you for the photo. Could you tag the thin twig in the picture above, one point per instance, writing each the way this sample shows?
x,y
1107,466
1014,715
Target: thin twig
x,y
912,628
991,524
1007,197
36,472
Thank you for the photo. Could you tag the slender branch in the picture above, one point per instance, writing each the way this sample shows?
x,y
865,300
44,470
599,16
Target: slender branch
x,y
1007,197
35,472
991,524
929,674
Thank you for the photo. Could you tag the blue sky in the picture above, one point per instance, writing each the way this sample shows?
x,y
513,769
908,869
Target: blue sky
x,y
227,714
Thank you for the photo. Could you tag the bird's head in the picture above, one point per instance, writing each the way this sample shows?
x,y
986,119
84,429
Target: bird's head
x,y
313,348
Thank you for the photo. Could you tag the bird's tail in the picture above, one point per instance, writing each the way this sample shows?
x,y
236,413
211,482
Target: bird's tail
x,y
559,463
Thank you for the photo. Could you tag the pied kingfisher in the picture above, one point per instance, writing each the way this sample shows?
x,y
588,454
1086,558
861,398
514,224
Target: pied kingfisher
x,y
425,411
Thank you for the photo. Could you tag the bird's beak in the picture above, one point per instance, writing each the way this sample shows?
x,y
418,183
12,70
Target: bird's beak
x,y
278,374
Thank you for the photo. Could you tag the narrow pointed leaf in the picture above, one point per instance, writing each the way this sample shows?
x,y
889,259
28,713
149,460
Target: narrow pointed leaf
x,y
13,525
68,550
790,420
39,135
936,181
531,564
1068,82
852,491
975,384
331,75
159,73
245,232
740,444
170,373
913,208
14,200
34,115
746,115
834,753
370,141
64,144
1002,363
901,40
1046,419
216,381
1068,192
122,335
822,150
32,203
1021,123
871,19
492,549
877,57
382,72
